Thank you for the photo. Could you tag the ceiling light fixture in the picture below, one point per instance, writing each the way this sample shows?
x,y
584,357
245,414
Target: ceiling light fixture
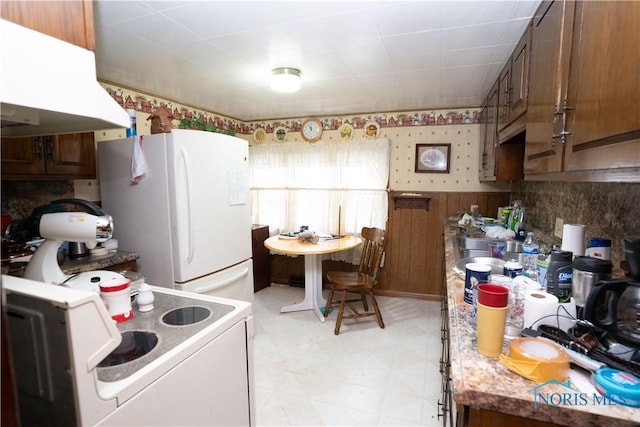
x,y
285,79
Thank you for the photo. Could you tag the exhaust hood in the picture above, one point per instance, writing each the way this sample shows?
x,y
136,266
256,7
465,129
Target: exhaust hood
x,y
48,86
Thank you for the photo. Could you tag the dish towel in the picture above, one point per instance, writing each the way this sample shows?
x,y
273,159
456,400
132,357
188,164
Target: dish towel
x,y
138,165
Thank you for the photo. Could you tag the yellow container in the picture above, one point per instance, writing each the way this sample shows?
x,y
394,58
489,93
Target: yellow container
x,y
490,329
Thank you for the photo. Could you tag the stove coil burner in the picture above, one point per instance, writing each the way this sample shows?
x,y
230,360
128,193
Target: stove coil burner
x,y
134,344
186,316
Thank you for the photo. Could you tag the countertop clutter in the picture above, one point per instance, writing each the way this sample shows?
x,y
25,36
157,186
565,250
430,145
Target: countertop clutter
x,y
115,261
488,390
101,262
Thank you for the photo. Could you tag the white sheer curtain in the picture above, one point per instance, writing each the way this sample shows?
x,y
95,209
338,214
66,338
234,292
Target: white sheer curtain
x,y
294,184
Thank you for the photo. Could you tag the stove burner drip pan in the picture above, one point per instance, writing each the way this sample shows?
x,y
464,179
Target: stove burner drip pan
x,y
186,316
134,344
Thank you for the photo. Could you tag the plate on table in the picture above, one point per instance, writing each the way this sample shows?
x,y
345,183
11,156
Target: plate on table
x,y
289,236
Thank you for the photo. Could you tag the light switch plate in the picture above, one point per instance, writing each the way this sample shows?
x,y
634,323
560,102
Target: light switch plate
x,y
558,229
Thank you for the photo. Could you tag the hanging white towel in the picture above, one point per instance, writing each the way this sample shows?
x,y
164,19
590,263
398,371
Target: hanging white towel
x,y
138,165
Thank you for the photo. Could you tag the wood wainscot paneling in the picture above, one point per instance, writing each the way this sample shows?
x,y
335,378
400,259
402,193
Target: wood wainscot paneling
x,y
414,258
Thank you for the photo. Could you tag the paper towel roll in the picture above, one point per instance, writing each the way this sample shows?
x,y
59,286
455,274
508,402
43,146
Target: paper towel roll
x,y
539,308
573,238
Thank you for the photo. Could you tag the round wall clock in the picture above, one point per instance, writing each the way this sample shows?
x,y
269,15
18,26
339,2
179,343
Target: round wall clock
x,y
311,130
259,135
280,134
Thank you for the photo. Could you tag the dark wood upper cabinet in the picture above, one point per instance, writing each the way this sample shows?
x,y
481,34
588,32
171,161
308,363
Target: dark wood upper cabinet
x,y
551,25
583,114
69,156
71,21
519,82
514,86
498,162
604,87
489,135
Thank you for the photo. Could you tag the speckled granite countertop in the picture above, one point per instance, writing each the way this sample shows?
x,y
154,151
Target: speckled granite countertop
x,y
483,382
97,262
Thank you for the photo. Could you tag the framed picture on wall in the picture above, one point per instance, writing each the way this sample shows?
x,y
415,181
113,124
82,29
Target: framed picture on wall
x,y
433,158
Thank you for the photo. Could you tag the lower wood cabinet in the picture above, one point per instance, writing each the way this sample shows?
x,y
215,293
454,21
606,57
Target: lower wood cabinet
x,y
261,269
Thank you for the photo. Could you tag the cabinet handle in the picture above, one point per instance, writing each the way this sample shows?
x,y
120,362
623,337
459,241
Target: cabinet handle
x,y
441,411
564,132
48,141
38,147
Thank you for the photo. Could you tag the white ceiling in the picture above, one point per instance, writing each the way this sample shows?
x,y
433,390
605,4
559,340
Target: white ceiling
x,y
355,56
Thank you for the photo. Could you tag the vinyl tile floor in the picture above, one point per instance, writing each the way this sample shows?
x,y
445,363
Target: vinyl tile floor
x,y
366,376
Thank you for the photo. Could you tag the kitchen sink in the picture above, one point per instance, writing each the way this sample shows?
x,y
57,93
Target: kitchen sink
x,y
467,247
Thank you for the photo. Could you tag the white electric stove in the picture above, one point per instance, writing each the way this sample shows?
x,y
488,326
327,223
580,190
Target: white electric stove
x,y
187,362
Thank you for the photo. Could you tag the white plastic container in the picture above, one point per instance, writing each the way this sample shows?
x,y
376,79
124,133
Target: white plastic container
x,y
116,294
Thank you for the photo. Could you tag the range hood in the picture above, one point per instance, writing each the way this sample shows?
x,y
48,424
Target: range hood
x,y
48,86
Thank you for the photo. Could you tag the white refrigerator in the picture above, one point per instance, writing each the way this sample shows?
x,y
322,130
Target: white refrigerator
x,y
188,216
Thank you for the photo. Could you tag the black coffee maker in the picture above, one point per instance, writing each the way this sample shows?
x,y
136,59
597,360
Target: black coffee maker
x,y
614,305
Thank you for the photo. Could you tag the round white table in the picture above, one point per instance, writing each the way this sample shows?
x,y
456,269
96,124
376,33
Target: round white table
x,y
313,299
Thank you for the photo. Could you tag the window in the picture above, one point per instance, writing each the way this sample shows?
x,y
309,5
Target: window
x,y
296,184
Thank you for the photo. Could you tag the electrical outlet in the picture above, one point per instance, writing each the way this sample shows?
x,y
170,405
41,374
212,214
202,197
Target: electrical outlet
x,y
558,229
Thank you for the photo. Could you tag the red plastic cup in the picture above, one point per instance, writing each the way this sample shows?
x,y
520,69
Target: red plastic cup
x,y
493,295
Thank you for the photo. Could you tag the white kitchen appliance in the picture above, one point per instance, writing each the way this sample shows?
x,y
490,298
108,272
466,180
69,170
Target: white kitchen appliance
x,y
38,99
188,216
186,362
58,227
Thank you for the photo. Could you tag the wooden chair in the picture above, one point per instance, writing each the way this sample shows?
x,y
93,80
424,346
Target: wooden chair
x,y
360,282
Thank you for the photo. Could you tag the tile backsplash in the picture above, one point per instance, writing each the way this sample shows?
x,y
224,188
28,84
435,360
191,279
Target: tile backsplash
x,y
608,210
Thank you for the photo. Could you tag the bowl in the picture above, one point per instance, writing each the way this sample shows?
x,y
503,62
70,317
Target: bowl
x,y
496,264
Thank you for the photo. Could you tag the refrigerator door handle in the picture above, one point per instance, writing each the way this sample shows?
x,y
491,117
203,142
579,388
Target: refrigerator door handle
x,y
187,172
222,284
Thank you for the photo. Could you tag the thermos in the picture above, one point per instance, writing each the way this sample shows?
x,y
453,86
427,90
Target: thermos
x,y
560,275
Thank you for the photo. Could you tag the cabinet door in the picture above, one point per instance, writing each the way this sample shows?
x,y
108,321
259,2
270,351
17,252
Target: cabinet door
x,y
261,268
71,21
23,156
504,82
604,87
519,81
490,137
72,154
550,47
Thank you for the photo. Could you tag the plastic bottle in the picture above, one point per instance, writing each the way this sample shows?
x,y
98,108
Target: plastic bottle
x,y
131,130
560,275
530,257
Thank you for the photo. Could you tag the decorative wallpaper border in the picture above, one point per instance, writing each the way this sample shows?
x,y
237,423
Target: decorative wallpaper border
x,y
147,104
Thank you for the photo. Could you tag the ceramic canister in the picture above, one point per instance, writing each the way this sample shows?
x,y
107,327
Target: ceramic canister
x,y
475,274
597,247
512,268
